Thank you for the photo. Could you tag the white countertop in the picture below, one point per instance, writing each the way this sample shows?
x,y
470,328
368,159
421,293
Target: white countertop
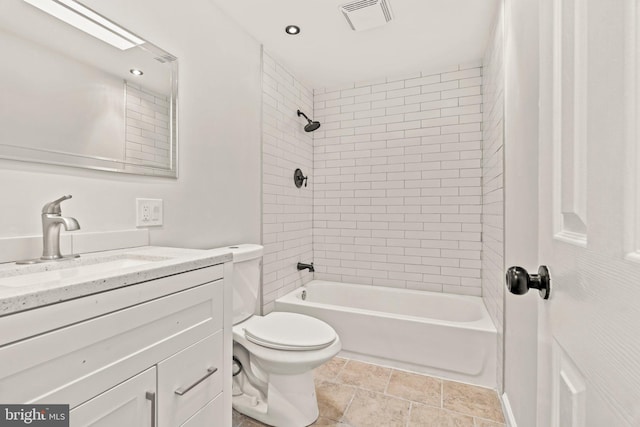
x,y
24,287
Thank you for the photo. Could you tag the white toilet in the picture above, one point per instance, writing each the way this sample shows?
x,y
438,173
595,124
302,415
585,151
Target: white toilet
x,y
274,355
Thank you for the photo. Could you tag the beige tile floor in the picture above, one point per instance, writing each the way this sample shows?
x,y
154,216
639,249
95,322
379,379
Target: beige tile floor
x,y
356,394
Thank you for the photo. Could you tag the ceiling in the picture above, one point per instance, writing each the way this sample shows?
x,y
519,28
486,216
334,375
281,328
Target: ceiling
x,y
424,34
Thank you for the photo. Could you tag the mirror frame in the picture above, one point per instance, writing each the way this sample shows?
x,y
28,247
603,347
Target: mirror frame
x,y
84,161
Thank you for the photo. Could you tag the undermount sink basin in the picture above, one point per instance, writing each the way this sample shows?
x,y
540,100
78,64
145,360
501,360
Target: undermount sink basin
x,y
73,269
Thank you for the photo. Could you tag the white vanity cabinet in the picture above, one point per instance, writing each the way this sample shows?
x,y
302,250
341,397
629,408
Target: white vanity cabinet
x,y
155,353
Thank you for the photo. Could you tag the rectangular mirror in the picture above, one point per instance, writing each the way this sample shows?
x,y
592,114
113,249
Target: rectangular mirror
x,y
79,90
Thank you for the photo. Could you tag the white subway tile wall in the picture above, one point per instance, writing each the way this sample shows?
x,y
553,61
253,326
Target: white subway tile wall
x,y
493,187
147,133
398,181
287,211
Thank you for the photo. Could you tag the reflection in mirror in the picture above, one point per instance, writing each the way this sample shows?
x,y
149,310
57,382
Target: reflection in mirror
x,y
79,90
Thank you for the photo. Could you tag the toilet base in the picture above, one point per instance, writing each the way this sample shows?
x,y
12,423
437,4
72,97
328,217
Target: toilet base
x,y
291,401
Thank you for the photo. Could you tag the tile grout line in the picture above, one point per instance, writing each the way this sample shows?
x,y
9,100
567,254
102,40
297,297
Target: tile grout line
x,y
409,414
476,418
342,368
354,392
388,382
348,405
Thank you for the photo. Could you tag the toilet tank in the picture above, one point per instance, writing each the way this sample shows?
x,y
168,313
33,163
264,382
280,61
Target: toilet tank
x,y
245,280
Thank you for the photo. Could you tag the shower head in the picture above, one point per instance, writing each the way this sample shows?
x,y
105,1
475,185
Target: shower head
x,y
311,126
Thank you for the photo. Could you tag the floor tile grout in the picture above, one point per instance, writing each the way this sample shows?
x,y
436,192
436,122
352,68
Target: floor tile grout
x,y
348,406
342,367
412,404
409,414
388,381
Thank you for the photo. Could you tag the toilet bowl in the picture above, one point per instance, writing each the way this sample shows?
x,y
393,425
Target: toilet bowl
x,y
279,389
282,353
274,355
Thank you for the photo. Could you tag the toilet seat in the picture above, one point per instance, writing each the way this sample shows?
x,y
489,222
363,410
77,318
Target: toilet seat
x,y
289,331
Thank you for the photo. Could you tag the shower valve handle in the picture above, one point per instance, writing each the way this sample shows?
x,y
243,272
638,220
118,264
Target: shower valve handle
x,y
299,178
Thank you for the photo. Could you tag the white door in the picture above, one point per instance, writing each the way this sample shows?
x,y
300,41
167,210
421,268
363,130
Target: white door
x,y
589,228
521,123
132,403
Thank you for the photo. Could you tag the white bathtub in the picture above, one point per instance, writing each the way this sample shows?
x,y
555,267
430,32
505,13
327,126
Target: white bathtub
x,y
449,336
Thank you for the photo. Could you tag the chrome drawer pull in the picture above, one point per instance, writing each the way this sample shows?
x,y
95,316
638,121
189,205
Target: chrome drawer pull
x,y
210,371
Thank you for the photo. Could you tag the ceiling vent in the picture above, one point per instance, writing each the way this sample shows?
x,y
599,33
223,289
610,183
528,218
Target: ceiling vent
x,y
166,58
365,14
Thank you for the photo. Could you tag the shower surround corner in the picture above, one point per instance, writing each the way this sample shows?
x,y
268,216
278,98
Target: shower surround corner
x,y
287,211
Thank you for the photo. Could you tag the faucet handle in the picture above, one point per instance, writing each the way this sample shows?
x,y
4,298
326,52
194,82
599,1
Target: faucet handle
x,y
54,207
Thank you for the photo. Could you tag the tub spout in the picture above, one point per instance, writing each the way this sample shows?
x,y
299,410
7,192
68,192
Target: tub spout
x,y
309,267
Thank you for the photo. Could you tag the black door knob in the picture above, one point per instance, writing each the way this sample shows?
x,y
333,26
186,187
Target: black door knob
x,y
519,281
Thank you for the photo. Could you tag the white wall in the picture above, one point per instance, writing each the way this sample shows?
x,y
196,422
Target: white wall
x,y
216,200
521,202
493,184
398,181
288,210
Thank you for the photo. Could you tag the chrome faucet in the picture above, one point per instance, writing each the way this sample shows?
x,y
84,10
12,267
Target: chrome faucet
x,y
52,221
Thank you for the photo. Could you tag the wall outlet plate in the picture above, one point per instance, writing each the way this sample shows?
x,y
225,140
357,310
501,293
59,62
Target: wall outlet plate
x,y
149,212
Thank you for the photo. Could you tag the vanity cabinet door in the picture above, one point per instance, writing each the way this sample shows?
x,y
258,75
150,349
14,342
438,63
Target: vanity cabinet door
x,y
131,403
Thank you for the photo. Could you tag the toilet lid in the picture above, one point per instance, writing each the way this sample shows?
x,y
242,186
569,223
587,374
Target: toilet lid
x,y
290,331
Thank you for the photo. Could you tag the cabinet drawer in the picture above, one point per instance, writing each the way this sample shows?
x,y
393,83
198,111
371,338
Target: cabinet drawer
x,y
211,415
187,380
73,364
29,323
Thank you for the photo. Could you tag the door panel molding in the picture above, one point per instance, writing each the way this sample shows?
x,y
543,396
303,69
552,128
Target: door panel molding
x,y
569,122
569,391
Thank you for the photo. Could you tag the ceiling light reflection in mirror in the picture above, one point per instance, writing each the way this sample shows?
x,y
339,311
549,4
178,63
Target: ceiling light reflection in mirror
x,y
85,19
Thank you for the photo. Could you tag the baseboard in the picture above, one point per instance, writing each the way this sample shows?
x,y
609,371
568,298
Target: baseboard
x,y
508,413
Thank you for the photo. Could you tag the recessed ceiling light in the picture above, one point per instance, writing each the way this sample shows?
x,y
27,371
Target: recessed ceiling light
x,y
292,30
136,72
